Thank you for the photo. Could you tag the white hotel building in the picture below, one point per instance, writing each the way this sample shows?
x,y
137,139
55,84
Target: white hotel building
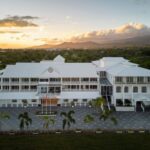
x,y
123,84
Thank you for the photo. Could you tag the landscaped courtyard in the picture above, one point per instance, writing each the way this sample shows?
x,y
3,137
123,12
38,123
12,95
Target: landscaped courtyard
x,y
126,120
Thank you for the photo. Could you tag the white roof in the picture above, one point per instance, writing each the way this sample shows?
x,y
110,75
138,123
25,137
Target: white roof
x,y
50,69
125,70
109,61
18,95
76,69
79,95
118,66
59,58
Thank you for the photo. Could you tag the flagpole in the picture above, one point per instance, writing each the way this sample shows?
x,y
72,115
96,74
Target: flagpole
x,y
46,103
42,104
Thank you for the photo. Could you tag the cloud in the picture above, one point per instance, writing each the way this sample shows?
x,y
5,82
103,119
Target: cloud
x,y
125,31
7,31
18,21
52,41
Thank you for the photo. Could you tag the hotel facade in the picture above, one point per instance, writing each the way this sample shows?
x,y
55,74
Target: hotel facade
x,y
124,85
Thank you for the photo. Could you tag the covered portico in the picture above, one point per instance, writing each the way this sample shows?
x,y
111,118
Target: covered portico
x,y
49,103
142,102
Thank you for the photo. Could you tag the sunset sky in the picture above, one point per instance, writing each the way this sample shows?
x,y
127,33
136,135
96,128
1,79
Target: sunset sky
x,y
25,23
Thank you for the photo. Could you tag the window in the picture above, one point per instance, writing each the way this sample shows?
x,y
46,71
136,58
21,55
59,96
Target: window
x,y
87,87
33,87
73,86
84,100
75,100
15,80
43,80
57,89
118,79
34,100
135,89
43,89
126,89
144,89
14,101
25,79
148,79
140,79
55,79
93,87
93,79
5,79
24,101
34,79
119,102
127,102
84,79
6,88
118,89
102,74
14,87
66,79
75,79
129,79
25,87
66,100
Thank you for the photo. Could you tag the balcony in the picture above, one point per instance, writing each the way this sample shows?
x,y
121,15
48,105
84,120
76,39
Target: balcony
x,y
14,82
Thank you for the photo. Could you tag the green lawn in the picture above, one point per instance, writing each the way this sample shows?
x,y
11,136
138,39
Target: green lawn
x,y
105,141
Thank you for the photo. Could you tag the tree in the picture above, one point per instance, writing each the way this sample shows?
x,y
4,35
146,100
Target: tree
x,y
67,119
107,114
47,121
25,120
3,115
88,119
99,103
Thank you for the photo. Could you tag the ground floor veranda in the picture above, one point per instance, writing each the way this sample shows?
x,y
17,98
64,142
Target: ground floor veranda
x,y
67,99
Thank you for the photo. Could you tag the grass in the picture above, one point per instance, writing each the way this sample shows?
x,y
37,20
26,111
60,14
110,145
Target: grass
x,y
105,141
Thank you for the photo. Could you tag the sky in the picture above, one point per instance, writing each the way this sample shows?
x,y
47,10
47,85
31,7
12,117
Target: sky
x,y
25,23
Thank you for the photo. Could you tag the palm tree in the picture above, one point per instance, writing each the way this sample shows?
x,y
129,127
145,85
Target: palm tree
x,y
67,118
47,121
25,120
99,103
107,114
88,119
3,115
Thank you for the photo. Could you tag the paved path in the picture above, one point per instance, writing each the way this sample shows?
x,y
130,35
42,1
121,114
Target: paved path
x,y
126,120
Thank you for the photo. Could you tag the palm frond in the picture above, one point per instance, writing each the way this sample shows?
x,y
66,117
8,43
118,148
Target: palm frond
x,y
63,114
114,120
70,112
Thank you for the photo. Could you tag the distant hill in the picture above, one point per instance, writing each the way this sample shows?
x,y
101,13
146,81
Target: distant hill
x,y
141,41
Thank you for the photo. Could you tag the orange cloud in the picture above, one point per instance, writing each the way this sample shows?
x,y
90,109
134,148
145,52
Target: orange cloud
x,y
126,31
18,21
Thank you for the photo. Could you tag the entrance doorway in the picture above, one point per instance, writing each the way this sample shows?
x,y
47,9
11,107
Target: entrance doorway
x,y
138,106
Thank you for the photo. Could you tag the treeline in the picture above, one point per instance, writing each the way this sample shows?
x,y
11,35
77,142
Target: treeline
x,y
136,55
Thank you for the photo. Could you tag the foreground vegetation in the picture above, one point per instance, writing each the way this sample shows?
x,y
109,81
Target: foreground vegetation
x,y
104,141
136,55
